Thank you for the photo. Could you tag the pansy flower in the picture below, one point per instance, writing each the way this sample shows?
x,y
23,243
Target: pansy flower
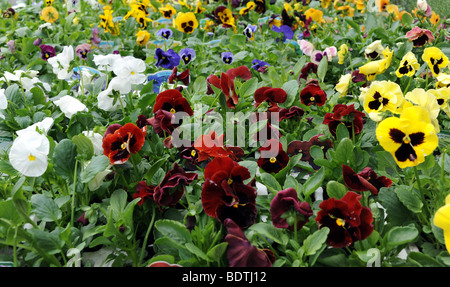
x,y
167,11
373,68
171,188
287,211
297,146
285,30
186,22
292,112
83,50
259,65
346,218
47,51
249,31
95,37
419,37
408,65
409,138
166,59
249,6
165,33
308,69
225,16
241,253
442,220
374,50
144,192
443,80
172,101
382,96
187,55
347,115
182,77
312,94
49,14
125,141
227,57
224,194
442,96
273,158
142,37
273,96
435,59
210,145
367,179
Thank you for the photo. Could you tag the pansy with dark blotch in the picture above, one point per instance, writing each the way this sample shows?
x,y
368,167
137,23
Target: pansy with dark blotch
x,y
292,112
144,192
286,209
171,188
312,94
241,253
210,146
259,65
297,146
306,70
165,33
167,60
347,115
346,218
83,50
285,30
227,57
273,96
367,179
273,158
47,51
119,146
225,195
249,31
182,77
187,55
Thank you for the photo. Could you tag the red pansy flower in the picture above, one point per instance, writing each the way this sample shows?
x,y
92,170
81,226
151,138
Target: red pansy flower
x,y
224,194
286,201
241,253
210,145
293,111
144,191
347,115
118,146
182,77
303,147
172,101
273,96
312,94
273,157
346,218
307,69
367,179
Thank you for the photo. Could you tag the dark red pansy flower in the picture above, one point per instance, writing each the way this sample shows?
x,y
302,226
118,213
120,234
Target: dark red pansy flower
x,y
286,208
307,69
172,101
163,264
303,147
83,220
111,129
292,112
273,96
162,122
312,94
224,194
182,77
126,140
367,179
144,191
347,115
236,153
273,157
142,123
210,145
171,188
241,253
346,218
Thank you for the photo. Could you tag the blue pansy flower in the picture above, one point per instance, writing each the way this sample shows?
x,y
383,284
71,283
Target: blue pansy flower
x,y
286,30
167,60
187,55
165,33
227,58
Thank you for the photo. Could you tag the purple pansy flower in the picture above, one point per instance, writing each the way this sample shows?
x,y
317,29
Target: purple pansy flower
x,y
95,38
47,51
165,33
187,55
249,31
227,58
259,64
83,50
167,60
286,30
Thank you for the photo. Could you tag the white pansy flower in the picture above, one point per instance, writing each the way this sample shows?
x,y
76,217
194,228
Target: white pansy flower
x,y
3,102
130,69
374,50
97,141
106,62
70,106
29,154
61,63
44,126
104,99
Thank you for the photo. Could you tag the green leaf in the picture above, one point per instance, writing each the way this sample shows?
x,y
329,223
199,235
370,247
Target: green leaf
x,y
9,212
174,230
397,213
64,158
38,96
322,68
248,88
97,164
85,148
409,198
341,132
353,24
336,189
400,235
197,251
291,88
344,152
314,182
269,231
270,182
423,260
407,19
45,208
118,202
315,241
48,242
215,253
252,167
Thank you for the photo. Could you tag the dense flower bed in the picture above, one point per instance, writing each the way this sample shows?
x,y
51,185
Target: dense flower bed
x,y
224,133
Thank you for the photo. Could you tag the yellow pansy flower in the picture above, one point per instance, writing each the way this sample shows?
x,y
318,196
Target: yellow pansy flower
x,y
315,14
343,50
427,101
408,65
250,6
167,11
435,59
49,14
442,220
142,37
443,80
342,85
186,22
380,97
442,96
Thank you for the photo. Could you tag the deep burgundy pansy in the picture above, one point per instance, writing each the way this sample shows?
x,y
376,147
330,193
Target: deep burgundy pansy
x,y
144,192
172,101
312,94
367,179
241,253
286,208
273,96
347,115
47,51
126,140
346,218
292,112
224,194
273,157
182,77
306,70
303,147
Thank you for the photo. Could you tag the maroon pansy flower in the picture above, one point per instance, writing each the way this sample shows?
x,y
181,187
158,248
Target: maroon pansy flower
x,y
241,253
182,77
286,208
171,188
303,147
224,194
47,52
312,94
111,129
162,122
273,96
306,70
367,179
292,112
273,157
144,191
125,140
346,218
347,115
172,101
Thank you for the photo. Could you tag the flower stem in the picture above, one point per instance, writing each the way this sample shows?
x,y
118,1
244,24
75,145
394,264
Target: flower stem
x,y
73,193
407,87
150,226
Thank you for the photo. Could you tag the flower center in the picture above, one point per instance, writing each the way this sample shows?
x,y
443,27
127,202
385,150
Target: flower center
x,y
272,159
340,221
229,181
193,153
123,145
132,72
173,111
31,157
406,139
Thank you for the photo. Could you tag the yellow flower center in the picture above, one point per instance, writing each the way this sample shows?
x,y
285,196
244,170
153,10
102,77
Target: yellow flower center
x,y
272,159
173,111
193,152
31,157
123,146
406,139
340,221
132,72
229,181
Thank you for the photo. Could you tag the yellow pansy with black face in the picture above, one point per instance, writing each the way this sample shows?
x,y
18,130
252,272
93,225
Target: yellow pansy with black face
x,y
167,11
142,37
408,65
410,138
443,80
435,59
186,22
250,6
382,96
442,96
373,68
49,2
